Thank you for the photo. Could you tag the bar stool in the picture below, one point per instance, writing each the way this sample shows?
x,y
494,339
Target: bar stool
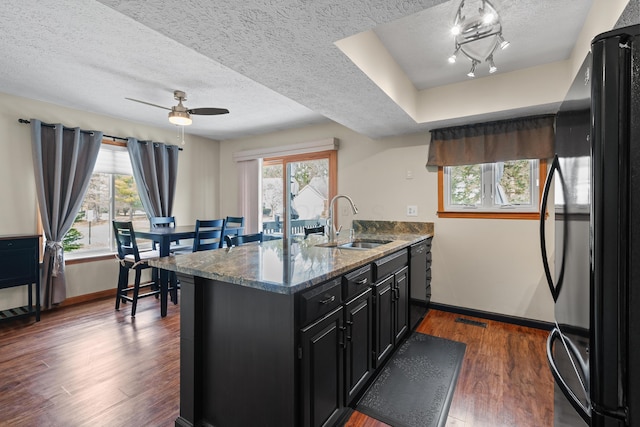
x,y
132,259
208,234
232,240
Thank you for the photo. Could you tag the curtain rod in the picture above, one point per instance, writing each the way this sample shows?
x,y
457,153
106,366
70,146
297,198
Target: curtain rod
x,y
25,121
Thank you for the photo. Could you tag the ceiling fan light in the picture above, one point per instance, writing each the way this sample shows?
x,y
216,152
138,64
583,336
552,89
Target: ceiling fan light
x,y
180,118
455,30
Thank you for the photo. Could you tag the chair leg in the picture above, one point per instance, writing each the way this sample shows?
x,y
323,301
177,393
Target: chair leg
x,y
136,292
155,278
174,287
123,276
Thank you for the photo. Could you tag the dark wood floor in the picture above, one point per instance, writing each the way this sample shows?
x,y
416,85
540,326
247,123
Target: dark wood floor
x,y
90,365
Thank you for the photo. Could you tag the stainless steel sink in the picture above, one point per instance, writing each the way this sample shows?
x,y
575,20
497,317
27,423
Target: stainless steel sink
x,y
356,244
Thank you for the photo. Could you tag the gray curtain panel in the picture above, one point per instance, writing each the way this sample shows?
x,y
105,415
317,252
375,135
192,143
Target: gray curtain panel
x,y
63,161
514,139
155,169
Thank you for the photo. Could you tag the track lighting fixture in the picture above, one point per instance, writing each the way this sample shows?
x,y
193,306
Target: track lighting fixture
x,y
477,35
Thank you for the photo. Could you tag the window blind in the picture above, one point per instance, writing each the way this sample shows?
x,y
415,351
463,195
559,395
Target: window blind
x,y
113,159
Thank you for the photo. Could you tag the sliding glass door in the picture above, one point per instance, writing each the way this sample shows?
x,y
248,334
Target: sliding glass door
x,y
301,185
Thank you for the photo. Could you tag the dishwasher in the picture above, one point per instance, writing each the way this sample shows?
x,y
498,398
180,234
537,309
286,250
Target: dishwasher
x,y
419,281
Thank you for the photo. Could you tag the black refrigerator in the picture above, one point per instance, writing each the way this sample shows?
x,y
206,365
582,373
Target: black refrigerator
x,y
593,267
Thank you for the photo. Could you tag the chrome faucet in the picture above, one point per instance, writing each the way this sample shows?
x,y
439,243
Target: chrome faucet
x,y
330,221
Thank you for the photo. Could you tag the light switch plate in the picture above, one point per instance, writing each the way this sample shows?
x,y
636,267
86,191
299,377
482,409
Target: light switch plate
x,y
412,210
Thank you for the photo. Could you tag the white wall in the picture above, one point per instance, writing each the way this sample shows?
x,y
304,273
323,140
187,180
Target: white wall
x,y
197,194
490,265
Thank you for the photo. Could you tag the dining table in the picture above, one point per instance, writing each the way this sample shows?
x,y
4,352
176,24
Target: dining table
x,y
163,236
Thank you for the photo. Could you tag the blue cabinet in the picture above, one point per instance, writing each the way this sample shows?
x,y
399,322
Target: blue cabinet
x,y
19,266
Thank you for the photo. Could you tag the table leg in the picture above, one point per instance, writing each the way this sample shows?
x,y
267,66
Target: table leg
x,y
164,277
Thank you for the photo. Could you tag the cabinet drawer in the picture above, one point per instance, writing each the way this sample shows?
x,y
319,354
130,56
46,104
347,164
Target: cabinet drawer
x,y
356,281
390,264
319,301
13,244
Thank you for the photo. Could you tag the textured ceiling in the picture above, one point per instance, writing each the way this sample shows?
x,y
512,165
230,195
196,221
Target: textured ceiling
x,y
272,63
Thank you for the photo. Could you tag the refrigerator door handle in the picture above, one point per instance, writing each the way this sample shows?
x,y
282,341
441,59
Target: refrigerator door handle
x,y
554,288
583,411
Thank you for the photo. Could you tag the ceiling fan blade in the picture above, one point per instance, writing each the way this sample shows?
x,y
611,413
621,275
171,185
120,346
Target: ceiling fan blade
x,y
207,111
148,103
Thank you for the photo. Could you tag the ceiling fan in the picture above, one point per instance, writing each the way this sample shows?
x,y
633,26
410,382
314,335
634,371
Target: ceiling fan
x,y
181,115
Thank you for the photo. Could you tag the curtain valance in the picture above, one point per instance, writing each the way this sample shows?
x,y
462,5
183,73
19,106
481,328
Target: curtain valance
x,y
514,139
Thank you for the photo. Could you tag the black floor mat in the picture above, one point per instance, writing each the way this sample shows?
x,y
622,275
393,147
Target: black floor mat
x,y
415,388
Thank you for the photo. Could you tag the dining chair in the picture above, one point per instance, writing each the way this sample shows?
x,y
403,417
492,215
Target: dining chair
x,y
313,230
131,258
208,234
236,222
232,240
169,221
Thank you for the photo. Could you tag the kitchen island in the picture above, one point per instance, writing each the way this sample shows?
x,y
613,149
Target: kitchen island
x,y
282,333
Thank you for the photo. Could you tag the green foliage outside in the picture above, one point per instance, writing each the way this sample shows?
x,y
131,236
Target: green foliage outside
x,y
70,240
97,200
515,181
466,183
126,195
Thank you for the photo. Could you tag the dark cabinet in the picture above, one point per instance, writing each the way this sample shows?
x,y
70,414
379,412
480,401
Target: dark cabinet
x,y
19,266
322,370
391,301
384,336
359,337
400,304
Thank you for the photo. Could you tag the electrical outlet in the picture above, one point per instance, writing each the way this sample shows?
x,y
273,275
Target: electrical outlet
x,y
412,210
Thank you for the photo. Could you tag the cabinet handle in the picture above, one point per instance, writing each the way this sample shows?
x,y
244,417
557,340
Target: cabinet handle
x,y
349,325
343,343
328,299
362,281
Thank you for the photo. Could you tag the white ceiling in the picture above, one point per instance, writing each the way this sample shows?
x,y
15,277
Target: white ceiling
x,y
272,63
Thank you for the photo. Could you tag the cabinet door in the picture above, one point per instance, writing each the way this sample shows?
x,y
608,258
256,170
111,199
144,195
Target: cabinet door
x,y
401,304
383,332
358,361
322,354
18,261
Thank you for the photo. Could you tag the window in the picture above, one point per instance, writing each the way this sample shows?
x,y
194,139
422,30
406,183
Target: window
x,y
312,184
111,195
509,189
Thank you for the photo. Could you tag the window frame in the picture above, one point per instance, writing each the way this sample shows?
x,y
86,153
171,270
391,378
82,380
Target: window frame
x,y
87,257
330,155
491,214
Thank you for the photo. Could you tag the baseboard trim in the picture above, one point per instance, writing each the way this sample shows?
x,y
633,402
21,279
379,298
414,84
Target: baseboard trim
x,y
94,296
520,321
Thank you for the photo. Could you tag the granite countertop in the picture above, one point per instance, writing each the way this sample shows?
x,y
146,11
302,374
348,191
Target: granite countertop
x,y
287,267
